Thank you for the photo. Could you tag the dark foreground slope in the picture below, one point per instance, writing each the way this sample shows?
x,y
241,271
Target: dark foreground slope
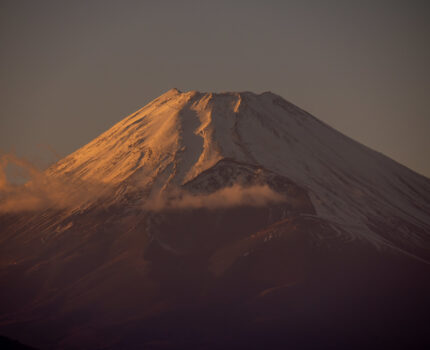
x,y
10,344
207,278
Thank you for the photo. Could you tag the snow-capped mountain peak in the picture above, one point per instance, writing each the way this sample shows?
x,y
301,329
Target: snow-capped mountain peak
x,y
179,135
208,214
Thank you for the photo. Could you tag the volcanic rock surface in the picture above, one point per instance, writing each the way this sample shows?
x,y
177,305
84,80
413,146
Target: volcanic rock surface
x,y
215,221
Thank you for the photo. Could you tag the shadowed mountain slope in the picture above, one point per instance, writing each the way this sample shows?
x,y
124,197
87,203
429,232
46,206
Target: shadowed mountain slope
x,y
209,221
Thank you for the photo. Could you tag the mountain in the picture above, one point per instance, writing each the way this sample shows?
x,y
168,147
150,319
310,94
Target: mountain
x,y
213,221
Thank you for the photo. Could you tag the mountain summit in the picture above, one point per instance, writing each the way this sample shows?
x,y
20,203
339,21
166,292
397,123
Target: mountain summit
x,y
178,136
217,220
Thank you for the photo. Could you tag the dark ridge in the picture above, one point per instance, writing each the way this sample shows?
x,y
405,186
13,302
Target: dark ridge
x,y
10,344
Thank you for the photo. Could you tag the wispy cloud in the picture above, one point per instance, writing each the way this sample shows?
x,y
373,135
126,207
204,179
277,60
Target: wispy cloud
x,y
41,191
233,196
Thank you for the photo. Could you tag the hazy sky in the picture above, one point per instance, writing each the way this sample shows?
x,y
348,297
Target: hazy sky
x,y
71,69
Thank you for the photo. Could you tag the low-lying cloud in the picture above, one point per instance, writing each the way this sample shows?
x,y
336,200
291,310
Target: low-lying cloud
x,y
41,191
234,196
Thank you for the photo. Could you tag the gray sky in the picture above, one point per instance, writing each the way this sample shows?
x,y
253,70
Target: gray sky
x,y
71,69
